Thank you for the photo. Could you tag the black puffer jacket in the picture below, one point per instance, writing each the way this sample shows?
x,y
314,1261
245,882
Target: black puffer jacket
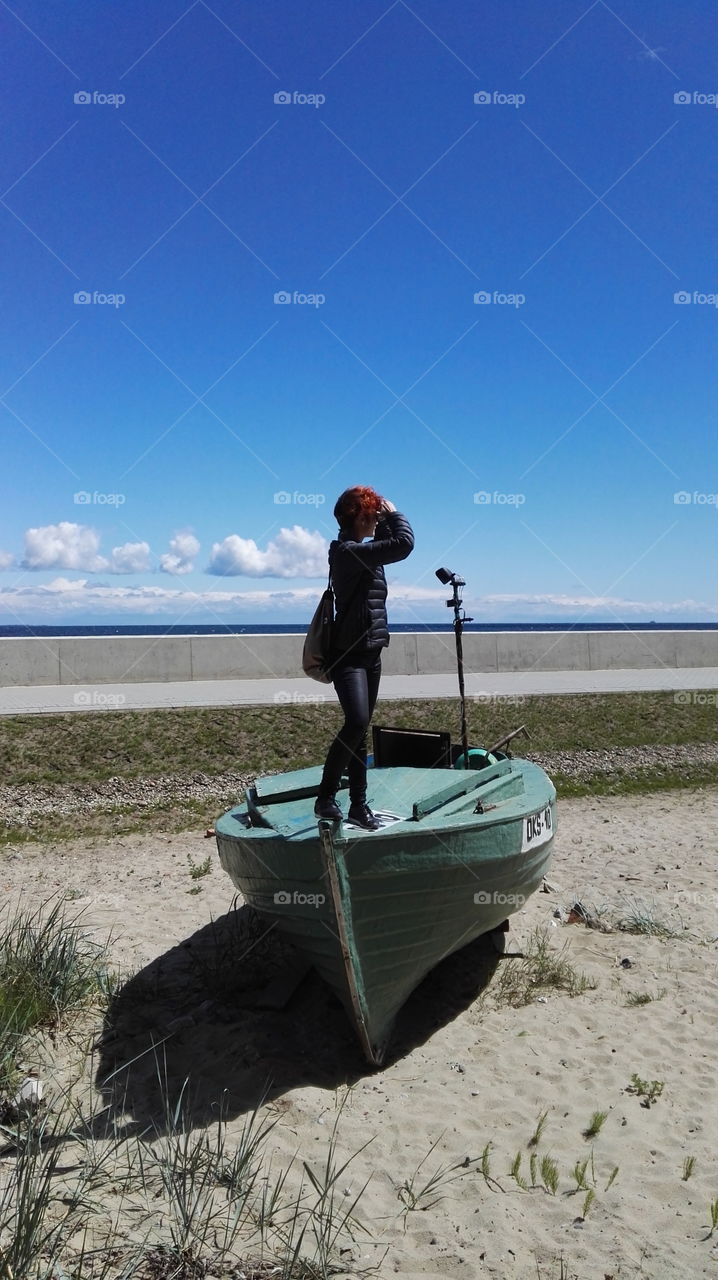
x,y
357,571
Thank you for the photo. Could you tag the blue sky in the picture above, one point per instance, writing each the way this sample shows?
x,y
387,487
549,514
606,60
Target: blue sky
x,y
482,319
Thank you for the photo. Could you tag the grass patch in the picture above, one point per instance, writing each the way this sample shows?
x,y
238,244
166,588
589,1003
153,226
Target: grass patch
x,y
210,1202
169,1264
423,1191
540,1125
49,969
198,870
515,1171
595,1124
588,1200
540,968
86,747
636,998
31,1235
646,782
579,1173
640,919
549,1174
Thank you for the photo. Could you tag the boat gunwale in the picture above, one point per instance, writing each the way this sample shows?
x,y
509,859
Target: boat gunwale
x,y
454,823
526,770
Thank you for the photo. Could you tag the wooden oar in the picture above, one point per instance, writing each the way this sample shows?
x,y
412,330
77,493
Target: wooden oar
x,y
504,742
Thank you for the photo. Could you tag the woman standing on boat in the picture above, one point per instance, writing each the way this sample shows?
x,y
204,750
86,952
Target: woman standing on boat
x,y
361,632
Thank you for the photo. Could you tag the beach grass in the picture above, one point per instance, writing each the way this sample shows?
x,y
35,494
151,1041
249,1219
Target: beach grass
x,y
538,969
595,1124
220,1198
49,969
211,1206
538,1131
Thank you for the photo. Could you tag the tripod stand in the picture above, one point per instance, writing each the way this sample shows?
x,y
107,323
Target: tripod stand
x,y
445,576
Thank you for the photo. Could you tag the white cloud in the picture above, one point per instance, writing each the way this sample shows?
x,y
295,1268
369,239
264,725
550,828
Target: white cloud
x,y
183,548
6,559
65,599
58,586
294,553
63,546
63,596
133,557
563,604
406,593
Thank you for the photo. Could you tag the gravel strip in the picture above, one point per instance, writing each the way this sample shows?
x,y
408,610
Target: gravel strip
x,y
21,804
625,761
24,803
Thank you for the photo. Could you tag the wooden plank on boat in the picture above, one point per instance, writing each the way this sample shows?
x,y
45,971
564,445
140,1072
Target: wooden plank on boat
x,y
300,785
466,780
371,1052
276,787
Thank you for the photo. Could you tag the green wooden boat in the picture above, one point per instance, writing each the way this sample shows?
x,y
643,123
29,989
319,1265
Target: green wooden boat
x,y
374,911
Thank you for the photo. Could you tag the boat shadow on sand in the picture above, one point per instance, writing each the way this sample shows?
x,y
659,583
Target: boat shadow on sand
x,y
194,1015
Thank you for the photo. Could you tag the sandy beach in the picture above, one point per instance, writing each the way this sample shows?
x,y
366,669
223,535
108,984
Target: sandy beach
x,y
466,1069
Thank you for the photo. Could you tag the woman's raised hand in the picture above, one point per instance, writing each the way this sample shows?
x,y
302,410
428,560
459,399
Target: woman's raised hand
x,y
386,506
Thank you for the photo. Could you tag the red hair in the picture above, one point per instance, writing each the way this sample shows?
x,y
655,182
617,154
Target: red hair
x,y
359,501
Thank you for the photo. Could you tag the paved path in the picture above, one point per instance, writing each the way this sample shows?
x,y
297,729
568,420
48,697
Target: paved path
x,y
509,685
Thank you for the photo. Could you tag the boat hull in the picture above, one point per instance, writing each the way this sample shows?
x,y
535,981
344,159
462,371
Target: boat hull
x,y
375,912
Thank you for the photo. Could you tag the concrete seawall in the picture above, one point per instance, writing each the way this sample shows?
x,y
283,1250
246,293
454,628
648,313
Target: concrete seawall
x,y
73,660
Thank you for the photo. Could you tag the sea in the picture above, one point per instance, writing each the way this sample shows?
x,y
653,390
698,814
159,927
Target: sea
x,y
298,628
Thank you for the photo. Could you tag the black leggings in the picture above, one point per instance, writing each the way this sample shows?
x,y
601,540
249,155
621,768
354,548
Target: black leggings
x,y
357,684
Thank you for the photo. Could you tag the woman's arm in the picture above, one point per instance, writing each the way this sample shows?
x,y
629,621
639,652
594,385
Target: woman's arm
x,y
393,541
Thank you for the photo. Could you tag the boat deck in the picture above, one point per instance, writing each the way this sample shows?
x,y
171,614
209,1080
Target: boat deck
x,y
405,799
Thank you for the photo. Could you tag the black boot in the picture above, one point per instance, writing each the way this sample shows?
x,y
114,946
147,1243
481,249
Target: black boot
x,y
361,815
327,807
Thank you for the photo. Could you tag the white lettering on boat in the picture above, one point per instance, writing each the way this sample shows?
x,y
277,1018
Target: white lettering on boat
x,y
537,829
